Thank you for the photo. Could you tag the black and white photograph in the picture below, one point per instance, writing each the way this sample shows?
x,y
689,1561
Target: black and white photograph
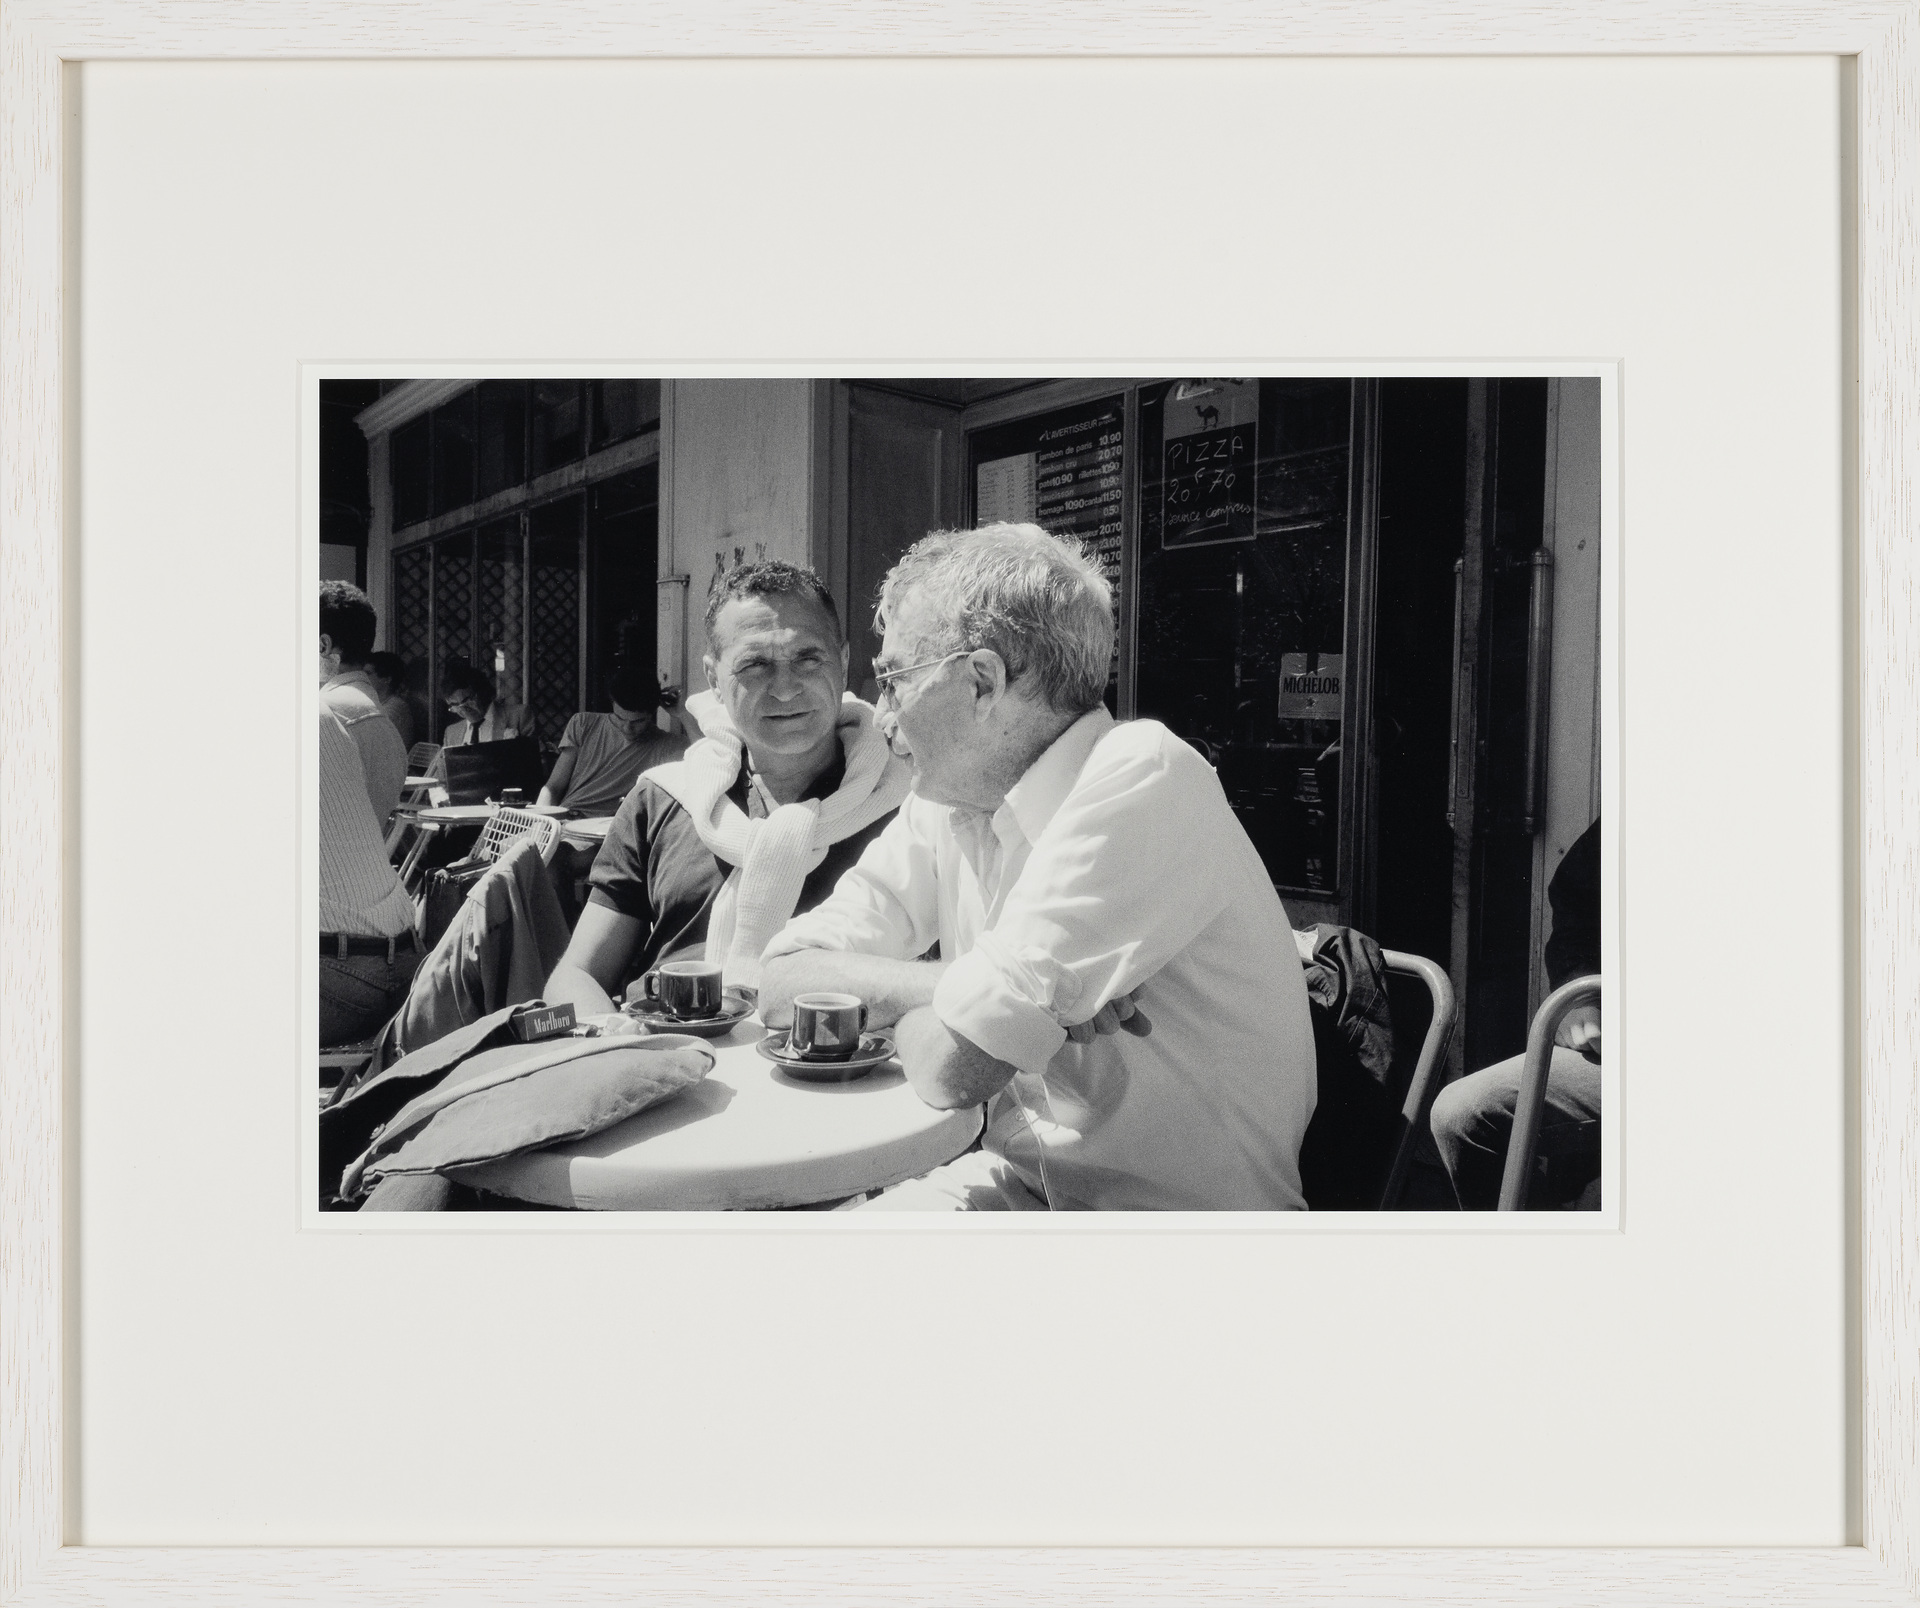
x,y
1017,703
1005,793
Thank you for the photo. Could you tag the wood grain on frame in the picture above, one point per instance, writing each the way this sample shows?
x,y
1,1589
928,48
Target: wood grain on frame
x,y
34,40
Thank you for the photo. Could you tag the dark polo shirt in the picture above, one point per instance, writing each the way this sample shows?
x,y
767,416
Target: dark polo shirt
x,y
654,868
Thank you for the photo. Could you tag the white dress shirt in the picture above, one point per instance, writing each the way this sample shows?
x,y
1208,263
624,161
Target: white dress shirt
x,y
1114,866
499,724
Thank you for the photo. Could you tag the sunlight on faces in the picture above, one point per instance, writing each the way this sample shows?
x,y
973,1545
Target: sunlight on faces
x,y
780,668
938,718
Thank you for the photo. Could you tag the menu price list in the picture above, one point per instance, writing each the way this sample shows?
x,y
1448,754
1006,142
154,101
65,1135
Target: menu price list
x,y
1078,483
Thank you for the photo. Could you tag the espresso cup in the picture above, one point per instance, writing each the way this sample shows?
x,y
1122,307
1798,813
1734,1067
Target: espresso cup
x,y
826,1027
688,989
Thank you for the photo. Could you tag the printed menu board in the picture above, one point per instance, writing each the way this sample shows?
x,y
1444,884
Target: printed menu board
x,y
1059,470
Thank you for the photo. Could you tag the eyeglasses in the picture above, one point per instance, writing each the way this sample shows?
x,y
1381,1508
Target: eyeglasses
x,y
884,679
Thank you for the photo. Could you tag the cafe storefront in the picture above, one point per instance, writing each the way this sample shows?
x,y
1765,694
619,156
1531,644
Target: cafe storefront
x,y
1372,603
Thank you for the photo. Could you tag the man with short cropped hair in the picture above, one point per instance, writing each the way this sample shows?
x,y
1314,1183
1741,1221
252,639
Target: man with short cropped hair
x,y
1082,878
347,628
791,778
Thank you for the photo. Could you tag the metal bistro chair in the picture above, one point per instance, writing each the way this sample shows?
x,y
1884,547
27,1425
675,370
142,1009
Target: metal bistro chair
x,y
507,825
1517,1179
1359,1146
423,777
1424,1084
346,1062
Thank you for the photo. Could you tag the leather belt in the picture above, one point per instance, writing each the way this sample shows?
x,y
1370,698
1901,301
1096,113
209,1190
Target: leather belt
x,y
339,945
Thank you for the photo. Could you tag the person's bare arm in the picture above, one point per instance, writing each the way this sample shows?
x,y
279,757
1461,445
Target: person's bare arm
x,y
890,987
601,946
948,1071
555,792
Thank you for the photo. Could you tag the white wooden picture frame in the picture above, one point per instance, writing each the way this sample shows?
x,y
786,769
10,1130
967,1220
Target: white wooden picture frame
x,y
38,37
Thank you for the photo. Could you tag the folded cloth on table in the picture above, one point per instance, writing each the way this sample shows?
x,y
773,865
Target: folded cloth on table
x,y
512,1098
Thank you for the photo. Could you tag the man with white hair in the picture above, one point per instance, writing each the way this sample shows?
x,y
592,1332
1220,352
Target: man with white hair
x,y
1082,877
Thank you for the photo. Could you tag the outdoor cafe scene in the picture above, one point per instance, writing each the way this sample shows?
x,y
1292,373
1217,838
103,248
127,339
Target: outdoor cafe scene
x,y
987,794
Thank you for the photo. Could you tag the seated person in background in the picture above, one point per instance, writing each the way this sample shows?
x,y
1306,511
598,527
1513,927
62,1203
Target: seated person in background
x,y
347,626
1070,867
367,948
469,695
602,756
711,855
388,672
1473,1116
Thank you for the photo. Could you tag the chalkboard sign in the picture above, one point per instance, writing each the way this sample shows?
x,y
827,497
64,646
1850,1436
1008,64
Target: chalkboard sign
x,y
1211,445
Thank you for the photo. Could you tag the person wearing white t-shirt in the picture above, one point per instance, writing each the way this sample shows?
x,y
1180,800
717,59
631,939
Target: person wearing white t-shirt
x,y
1117,977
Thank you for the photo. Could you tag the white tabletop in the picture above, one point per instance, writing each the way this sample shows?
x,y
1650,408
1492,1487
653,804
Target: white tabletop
x,y
469,814
747,1136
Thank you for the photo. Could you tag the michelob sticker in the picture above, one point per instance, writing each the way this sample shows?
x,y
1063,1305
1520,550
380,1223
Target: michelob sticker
x,y
1310,686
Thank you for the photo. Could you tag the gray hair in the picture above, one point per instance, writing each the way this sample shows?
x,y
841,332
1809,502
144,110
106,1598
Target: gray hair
x,y
1037,600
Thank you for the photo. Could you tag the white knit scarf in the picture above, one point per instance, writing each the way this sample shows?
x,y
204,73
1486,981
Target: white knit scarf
x,y
772,857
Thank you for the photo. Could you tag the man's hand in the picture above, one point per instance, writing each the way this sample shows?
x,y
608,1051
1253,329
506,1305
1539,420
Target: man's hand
x,y
1117,1015
1580,1030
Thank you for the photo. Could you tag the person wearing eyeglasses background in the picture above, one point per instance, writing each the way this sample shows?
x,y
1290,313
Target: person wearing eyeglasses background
x,y
1117,978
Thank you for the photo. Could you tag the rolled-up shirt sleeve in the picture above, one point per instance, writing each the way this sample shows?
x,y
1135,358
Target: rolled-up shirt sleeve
x,y
1006,1003
886,903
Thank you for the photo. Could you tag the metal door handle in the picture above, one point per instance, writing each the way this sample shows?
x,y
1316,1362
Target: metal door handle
x,y
1539,663
1453,744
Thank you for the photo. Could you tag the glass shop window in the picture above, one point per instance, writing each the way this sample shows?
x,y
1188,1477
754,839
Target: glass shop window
x,y
503,434
554,576
558,424
410,471
454,429
623,409
1242,576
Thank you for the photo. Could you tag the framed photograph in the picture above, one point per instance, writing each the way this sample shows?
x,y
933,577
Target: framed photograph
x,y
514,571
530,334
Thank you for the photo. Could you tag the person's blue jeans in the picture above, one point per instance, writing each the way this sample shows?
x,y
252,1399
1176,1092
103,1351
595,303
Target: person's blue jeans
x,y
1473,1117
360,993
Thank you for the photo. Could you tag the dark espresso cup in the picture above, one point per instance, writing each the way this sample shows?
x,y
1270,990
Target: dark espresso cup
x,y
688,989
826,1027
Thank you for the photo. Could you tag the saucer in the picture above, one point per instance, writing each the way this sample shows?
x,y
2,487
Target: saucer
x,y
874,1048
737,1010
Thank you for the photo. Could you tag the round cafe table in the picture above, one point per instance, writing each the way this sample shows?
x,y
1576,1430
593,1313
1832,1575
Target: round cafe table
x,y
746,1136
